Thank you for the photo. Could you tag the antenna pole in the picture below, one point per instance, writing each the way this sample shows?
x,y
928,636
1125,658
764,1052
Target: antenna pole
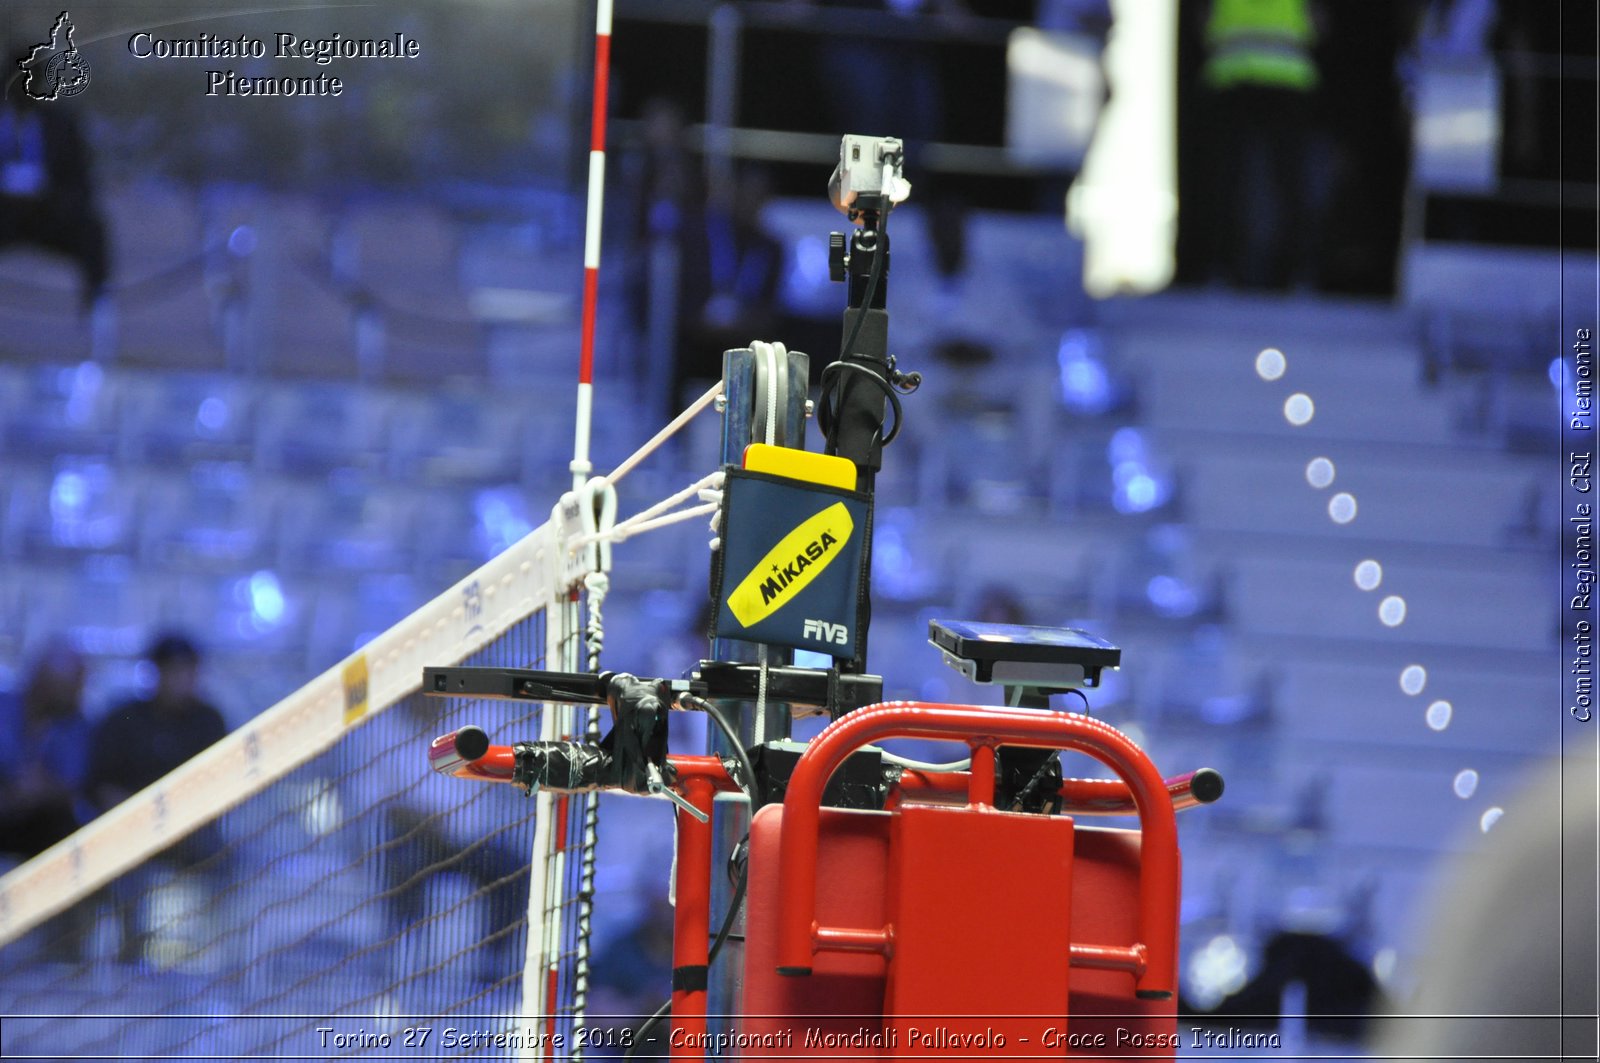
x,y
581,465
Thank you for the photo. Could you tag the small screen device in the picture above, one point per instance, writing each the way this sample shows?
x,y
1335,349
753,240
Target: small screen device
x,y
1022,655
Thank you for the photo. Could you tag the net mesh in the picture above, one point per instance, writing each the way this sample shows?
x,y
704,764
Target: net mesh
x,y
358,906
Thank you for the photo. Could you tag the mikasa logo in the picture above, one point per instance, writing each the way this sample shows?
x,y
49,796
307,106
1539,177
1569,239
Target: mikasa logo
x,y
782,577
790,566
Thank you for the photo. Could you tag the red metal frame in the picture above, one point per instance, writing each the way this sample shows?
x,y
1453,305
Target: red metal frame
x,y
700,778
1079,797
1152,959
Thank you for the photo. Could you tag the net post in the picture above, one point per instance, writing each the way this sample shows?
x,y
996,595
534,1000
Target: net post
x,y
765,392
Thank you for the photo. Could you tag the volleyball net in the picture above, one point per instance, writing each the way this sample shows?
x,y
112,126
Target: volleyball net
x,y
308,888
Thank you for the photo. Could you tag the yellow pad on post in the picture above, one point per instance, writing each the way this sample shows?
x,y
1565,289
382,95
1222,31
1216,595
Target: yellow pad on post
x,y
826,469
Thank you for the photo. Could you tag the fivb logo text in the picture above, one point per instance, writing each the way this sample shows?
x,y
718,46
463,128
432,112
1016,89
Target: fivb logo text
x,y
838,634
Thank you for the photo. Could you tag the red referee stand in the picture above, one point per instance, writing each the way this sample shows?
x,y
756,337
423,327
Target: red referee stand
x,y
938,926
945,927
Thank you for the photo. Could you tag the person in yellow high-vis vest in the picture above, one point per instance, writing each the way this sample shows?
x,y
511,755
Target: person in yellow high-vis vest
x,y
1261,43
1261,73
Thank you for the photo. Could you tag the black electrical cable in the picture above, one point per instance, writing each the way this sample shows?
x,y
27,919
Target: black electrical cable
x,y
827,414
1043,773
1038,780
735,899
752,789
751,786
893,384
831,379
866,302
645,1027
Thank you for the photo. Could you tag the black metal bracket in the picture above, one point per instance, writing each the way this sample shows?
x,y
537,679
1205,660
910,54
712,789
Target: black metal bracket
x,y
829,689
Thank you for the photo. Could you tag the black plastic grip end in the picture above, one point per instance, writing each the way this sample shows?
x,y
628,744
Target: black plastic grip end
x,y
1206,785
471,742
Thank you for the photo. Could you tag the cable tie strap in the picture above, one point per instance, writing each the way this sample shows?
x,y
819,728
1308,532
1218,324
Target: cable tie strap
x,y
690,979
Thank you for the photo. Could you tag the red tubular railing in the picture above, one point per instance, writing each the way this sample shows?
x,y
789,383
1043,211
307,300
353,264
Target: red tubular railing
x,y
691,918
1152,959
1079,797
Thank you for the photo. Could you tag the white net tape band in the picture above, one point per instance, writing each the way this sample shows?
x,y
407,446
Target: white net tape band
x,y
308,721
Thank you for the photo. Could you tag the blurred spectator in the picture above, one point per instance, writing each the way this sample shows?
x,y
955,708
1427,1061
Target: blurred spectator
x,y
1456,29
137,743
708,280
47,189
1303,974
729,282
1081,18
666,200
427,832
891,87
143,739
1530,39
1363,144
44,742
1260,76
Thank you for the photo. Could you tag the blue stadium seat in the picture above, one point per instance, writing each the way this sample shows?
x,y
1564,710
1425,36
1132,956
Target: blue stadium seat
x,y
56,409
216,515
457,436
72,506
174,419
313,428
349,525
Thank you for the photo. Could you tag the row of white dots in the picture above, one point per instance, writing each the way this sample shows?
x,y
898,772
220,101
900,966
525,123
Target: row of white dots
x,y
1298,410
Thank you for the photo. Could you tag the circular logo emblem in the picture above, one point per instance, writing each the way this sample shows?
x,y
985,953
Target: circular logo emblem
x,y
67,74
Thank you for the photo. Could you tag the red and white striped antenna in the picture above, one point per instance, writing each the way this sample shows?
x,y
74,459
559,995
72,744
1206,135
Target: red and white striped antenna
x,y
581,466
